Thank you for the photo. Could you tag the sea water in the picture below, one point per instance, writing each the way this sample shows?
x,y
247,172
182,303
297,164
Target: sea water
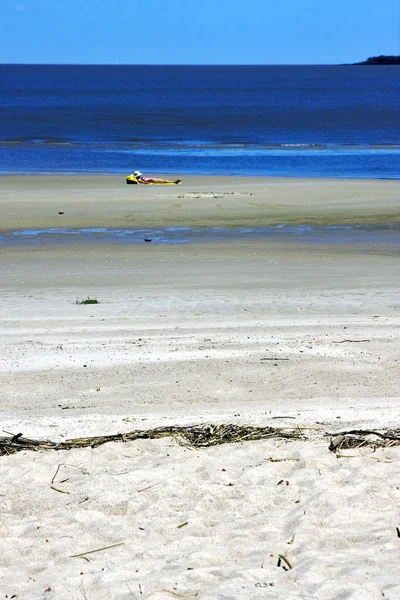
x,y
386,235
306,121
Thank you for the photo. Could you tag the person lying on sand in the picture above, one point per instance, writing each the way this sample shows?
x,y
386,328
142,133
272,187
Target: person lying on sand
x,y
142,179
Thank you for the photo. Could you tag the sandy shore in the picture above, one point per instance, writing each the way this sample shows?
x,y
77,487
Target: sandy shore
x,y
257,332
106,201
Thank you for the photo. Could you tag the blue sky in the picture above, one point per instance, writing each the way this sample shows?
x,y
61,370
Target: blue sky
x,y
197,31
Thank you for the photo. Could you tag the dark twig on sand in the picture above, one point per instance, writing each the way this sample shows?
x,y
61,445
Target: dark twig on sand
x,y
272,358
283,558
351,341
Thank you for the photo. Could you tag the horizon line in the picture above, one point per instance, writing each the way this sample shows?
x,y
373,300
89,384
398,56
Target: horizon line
x,y
118,64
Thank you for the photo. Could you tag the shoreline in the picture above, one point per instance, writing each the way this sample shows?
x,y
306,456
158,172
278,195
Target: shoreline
x,y
182,174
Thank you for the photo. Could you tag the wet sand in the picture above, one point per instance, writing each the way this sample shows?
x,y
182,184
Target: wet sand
x,y
106,201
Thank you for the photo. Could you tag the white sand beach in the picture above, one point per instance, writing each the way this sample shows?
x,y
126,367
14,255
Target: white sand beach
x,y
273,333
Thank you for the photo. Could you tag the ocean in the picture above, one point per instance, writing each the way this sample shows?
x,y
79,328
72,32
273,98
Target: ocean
x,y
293,121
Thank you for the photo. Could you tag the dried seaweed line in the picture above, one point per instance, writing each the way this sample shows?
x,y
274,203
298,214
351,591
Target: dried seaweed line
x,y
196,436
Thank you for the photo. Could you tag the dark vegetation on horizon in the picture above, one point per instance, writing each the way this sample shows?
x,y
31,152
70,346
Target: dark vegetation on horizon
x,y
380,60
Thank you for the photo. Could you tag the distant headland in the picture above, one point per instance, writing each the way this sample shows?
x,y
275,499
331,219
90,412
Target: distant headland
x,y
380,60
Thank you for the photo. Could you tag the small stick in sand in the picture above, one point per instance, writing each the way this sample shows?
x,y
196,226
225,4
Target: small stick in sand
x,y
57,490
283,417
292,540
351,341
83,590
183,596
146,488
273,358
97,550
270,459
55,474
286,560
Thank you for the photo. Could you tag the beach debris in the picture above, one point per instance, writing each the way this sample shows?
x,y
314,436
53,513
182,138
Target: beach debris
x,y
182,596
200,436
16,443
398,532
147,240
195,436
272,358
345,455
292,540
97,550
214,195
270,459
57,490
87,301
182,525
146,488
207,435
359,438
335,442
282,558
351,341
72,407
82,587
60,212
